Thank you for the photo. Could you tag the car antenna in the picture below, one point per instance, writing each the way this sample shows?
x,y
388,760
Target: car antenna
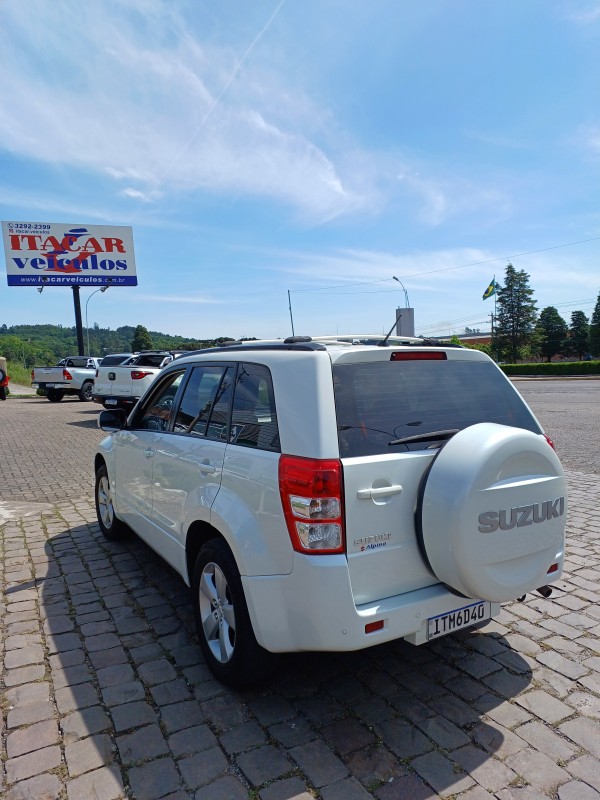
x,y
383,342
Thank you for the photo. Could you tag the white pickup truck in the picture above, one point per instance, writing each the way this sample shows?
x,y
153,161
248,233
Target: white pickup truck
x,y
122,385
72,375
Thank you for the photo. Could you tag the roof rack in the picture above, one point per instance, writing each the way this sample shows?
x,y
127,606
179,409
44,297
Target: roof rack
x,y
305,343
320,343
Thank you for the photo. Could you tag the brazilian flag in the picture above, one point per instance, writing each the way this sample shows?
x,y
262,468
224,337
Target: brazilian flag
x,y
491,289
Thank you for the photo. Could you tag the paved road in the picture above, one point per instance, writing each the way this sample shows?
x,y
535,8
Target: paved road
x,y
106,695
569,411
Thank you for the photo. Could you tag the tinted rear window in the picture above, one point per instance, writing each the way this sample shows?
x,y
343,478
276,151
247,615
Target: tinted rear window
x,y
381,401
151,360
108,361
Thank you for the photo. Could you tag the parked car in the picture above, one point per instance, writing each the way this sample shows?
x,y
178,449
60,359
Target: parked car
x,y
121,384
325,495
4,379
72,375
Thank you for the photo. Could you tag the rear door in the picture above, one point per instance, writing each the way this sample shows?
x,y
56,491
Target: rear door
x,y
383,405
188,462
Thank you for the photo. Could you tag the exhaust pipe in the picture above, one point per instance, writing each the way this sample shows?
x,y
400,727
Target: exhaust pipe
x,y
545,591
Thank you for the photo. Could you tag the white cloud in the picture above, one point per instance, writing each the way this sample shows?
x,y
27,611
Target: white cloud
x,y
187,298
585,14
110,91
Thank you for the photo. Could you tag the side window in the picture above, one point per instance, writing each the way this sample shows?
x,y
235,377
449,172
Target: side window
x,y
253,418
219,417
197,401
156,413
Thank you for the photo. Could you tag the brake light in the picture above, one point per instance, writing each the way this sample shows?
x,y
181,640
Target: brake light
x,y
67,375
550,442
32,376
419,355
311,493
138,374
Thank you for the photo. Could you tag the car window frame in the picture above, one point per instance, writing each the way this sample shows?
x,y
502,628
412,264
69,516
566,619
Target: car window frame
x,y
224,365
156,388
272,408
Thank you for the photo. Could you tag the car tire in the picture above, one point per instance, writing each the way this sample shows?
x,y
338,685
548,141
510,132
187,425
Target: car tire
x,y
55,395
222,620
86,391
110,525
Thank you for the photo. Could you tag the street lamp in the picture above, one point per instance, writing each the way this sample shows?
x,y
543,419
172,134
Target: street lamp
x,y
102,289
405,292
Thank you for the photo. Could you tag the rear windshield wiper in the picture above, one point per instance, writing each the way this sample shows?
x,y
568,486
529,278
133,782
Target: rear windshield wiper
x,y
434,436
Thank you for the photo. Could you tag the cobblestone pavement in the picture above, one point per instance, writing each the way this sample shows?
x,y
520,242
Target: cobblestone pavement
x,y
105,694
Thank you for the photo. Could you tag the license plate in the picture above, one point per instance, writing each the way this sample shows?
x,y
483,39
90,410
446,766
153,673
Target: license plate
x,y
49,386
110,402
461,618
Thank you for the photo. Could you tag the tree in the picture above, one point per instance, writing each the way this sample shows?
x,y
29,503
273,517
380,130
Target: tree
x,y
552,330
141,339
515,316
578,336
594,339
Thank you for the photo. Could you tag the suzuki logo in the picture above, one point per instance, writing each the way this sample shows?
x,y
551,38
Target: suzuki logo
x,y
506,520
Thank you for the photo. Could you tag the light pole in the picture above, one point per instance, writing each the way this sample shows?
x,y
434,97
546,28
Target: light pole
x,y
404,290
87,330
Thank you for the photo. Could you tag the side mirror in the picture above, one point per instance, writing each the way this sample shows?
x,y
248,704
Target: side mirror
x,y
112,420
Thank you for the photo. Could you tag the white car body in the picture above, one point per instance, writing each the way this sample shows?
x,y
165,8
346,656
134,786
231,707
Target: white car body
x,y
384,584
122,385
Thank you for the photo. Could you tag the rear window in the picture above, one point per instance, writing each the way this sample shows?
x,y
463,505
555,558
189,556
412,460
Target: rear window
x,y
381,401
109,361
78,362
152,360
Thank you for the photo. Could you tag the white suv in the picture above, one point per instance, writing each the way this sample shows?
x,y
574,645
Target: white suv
x,y
333,495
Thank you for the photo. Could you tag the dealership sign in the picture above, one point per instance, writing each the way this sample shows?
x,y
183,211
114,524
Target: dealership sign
x,y
54,254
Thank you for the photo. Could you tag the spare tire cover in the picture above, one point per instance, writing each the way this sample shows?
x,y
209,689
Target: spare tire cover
x,y
491,512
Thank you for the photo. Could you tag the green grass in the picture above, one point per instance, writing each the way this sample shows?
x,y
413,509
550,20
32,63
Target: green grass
x,y
18,373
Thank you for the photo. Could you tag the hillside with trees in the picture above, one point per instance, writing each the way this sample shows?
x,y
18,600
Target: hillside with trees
x,y
46,344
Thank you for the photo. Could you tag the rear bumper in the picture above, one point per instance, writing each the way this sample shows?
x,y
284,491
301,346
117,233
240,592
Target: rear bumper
x,y
312,608
60,387
111,401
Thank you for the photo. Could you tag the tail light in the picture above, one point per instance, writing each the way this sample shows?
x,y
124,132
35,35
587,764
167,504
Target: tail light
x,y
550,442
67,375
32,376
138,374
311,493
419,355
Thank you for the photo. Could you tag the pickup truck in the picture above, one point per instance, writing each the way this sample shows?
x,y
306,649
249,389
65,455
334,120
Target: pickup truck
x,y
122,385
72,375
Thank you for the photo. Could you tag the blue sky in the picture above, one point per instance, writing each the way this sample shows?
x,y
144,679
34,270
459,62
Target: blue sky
x,y
317,147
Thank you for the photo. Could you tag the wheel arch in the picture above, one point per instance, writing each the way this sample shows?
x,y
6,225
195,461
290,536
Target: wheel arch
x,y
198,534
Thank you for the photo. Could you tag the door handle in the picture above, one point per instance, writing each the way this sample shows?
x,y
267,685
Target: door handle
x,y
207,469
382,491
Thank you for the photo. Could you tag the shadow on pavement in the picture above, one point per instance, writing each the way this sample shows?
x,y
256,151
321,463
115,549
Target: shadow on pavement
x,y
140,712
